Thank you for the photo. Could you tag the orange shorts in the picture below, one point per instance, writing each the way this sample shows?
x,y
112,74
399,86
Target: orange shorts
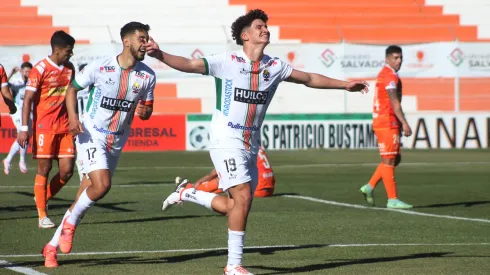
x,y
388,142
53,146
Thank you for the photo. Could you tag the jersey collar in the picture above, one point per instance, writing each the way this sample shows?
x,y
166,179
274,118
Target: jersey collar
x,y
241,53
54,64
393,70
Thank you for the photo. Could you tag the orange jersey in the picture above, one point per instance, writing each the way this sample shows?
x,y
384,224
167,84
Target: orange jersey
x,y
50,82
266,175
383,115
3,77
3,82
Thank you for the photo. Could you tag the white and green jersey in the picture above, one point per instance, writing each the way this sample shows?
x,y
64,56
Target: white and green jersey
x,y
18,87
244,90
82,100
113,98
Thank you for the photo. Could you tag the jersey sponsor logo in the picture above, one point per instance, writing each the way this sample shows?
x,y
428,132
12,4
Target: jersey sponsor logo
x,y
107,132
238,59
227,100
268,175
271,63
110,82
97,95
108,69
115,104
58,91
251,97
244,72
267,75
241,127
141,75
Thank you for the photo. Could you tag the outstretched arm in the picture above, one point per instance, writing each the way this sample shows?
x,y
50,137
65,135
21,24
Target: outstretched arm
x,y
177,62
319,81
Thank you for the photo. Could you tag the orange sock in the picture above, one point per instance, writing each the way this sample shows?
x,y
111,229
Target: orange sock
x,y
40,195
376,176
210,186
388,175
54,186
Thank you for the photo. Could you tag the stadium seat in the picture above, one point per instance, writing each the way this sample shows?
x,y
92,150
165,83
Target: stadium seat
x,y
358,21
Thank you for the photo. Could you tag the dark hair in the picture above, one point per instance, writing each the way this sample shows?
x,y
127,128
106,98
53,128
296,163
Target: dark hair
x,y
26,65
131,27
393,49
61,39
81,66
246,21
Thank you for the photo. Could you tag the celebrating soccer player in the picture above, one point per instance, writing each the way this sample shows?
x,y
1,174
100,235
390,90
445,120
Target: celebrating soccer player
x,y
122,86
253,78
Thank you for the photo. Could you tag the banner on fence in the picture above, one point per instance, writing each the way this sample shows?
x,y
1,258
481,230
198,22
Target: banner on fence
x,y
342,60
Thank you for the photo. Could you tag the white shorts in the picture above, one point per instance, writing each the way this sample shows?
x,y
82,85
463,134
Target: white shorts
x,y
234,167
17,120
92,154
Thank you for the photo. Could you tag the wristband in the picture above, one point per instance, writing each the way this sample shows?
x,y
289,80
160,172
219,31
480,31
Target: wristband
x,y
24,128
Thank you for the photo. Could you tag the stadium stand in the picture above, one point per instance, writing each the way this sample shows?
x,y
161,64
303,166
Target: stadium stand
x,y
27,22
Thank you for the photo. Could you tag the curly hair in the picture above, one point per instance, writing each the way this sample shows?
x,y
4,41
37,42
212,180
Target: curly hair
x,y
246,21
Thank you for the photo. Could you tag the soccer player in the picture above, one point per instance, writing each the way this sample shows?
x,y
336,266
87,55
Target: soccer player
x,y
123,86
6,94
265,186
18,87
246,81
387,118
46,88
82,100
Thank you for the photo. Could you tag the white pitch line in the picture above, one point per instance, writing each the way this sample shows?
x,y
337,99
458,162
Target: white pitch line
x,y
409,212
307,165
312,165
77,186
246,248
20,269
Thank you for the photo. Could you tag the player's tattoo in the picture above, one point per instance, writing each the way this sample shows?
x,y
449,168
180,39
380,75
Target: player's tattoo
x,y
159,56
393,94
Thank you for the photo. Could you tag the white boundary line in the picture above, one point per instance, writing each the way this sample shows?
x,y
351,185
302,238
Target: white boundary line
x,y
306,165
312,165
246,248
20,269
77,186
409,212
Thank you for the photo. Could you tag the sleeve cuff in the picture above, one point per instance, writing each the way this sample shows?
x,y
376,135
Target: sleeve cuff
x,y
206,66
4,84
29,88
74,83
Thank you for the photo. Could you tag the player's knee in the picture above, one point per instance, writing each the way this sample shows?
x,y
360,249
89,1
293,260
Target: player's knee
x,y
43,169
102,186
242,196
66,175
